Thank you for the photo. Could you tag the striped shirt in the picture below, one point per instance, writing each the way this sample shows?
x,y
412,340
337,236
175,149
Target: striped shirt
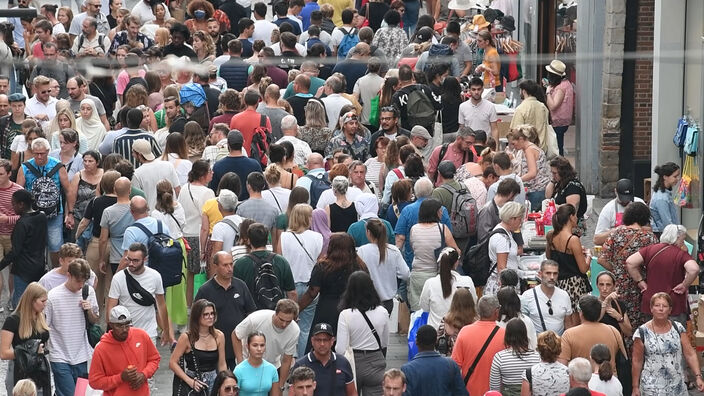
x,y
6,208
123,144
67,332
508,369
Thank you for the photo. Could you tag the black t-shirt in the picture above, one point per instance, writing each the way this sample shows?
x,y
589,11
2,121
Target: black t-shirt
x,y
376,13
450,115
12,324
298,104
607,319
247,50
232,305
170,49
572,188
94,211
134,81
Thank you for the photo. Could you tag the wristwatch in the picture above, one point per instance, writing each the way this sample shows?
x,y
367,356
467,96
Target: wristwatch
x,y
622,319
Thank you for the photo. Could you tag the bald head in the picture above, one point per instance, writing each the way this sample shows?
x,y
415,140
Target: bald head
x,y
139,207
123,186
222,257
4,105
315,161
301,84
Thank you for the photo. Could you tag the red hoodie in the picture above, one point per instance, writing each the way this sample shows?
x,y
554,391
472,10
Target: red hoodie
x,y
111,357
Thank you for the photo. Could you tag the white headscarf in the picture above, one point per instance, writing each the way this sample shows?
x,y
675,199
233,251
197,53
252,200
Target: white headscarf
x,y
367,206
92,129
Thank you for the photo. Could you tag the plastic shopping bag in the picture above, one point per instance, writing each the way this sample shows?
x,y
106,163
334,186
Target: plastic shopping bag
x,y
418,319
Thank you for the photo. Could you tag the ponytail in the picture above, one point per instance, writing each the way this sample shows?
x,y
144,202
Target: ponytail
x,y
448,258
601,355
605,371
377,229
562,217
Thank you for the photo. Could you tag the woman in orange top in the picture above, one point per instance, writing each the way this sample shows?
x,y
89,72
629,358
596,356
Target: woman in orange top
x,y
491,64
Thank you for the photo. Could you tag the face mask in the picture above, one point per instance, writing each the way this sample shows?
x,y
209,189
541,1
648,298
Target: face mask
x,y
199,14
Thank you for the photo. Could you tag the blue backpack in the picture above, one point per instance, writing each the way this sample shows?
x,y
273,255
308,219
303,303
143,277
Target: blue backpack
x,y
348,42
165,255
318,184
681,133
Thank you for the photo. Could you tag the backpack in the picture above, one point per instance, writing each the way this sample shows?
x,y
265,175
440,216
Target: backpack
x,y
420,110
475,260
260,143
165,255
349,40
318,184
681,132
438,54
267,290
47,195
463,214
101,40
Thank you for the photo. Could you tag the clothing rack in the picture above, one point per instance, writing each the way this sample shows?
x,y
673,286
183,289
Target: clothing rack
x,y
565,40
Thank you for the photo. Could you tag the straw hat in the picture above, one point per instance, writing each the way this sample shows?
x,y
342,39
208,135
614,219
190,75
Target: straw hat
x,y
556,67
478,22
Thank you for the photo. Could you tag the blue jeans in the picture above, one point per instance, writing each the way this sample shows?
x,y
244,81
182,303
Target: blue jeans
x,y
20,286
536,200
55,232
560,134
65,376
410,17
305,318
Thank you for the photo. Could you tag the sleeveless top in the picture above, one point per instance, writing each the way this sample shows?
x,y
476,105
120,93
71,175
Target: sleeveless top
x,y
424,240
543,177
568,264
207,360
86,192
341,218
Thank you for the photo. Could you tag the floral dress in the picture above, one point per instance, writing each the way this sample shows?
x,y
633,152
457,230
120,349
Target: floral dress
x,y
663,372
622,243
391,41
316,137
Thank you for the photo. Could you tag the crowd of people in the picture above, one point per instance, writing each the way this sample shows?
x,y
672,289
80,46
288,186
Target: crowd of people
x,y
258,187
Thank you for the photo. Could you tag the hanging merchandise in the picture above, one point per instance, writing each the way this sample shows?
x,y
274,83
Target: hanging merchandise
x,y
681,132
688,183
692,139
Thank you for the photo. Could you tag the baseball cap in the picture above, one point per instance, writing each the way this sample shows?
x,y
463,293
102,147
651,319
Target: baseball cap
x,y
120,315
142,146
624,190
16,97
234,137
228,200
322,328
420,132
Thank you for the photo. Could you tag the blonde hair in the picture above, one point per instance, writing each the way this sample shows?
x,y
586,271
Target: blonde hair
x,y
300,218
31,322
209,47
511,210
272,174
161,37
24,387
527,132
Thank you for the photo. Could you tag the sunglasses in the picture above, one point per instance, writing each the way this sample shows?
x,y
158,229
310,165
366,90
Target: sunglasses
x,y
549,304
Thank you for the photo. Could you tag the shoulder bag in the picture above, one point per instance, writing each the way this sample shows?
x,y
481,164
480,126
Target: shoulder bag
x,y
180,388
470,371
623,365
537,304
93,330
303,247
374,332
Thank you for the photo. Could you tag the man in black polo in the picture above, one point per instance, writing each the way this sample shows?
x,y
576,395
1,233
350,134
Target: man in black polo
x,y
232,300
327,364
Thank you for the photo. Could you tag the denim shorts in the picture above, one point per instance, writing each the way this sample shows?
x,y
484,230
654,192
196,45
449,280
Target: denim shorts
x,y
55,231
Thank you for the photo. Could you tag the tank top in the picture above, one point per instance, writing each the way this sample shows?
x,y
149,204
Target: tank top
x,y
543,177
86,192
567,262
341,218
207,360
424,240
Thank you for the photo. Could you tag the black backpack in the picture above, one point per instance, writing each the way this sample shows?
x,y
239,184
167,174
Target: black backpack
x,y
476,262
438,54
260,143
420,110
267,290
165,255
47,195
318,184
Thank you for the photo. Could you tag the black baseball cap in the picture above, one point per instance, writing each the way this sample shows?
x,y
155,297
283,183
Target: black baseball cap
x,y
624,190
322,328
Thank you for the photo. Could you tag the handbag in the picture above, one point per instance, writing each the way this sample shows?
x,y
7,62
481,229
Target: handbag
x,y
93,330
551,150
623,365
374,112
180,388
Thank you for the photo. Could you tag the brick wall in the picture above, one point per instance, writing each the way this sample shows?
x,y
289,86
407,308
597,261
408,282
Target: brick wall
x,y
643,103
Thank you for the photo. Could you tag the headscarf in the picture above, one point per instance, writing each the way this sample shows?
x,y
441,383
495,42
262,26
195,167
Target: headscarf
x,y
367,206
92,128
193,93
320,224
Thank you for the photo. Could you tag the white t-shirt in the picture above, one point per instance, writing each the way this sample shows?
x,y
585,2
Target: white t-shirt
x,y
431,298
223,232
262,31
327,197
561,307
277,197
501,243
192,198
301,263
301,49
385,274
142,317
607,216
67,335
278,341
532,334
145,14
337,35
19,144
333,104
520,198
611,387
354,331
174,221
53,279
477,117
182,166
324,37
148,175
